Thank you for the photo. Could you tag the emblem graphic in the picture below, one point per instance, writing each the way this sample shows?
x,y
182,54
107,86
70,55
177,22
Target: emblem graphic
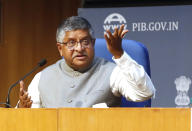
x,y
115,17
114,20
182,85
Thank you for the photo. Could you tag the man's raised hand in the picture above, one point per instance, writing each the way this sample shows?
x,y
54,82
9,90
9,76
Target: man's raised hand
x,y
114,41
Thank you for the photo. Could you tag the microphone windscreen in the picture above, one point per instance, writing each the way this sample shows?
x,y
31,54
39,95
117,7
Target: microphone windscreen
x,y
42,62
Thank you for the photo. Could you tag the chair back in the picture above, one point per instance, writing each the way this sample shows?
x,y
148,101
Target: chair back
x,y
136,51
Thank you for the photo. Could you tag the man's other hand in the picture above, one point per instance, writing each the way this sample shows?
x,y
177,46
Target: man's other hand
x,y
25,100
114,41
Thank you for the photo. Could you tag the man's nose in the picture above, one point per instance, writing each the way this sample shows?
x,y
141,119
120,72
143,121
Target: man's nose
x,y
79,47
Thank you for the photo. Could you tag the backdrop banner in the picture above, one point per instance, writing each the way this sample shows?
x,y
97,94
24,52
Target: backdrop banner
x,y
167,33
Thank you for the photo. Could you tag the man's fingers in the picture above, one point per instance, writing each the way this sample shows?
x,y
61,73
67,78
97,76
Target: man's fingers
x,y
21,91
115,34
21,84
25,102
123,33
29,104
111,37
121,30
25,96
29,99
106,37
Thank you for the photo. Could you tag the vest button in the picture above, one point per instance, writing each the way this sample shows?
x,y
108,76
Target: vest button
x,y
72,86
69,101
76,74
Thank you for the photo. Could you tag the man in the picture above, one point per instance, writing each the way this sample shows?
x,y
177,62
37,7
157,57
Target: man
x,y
83,80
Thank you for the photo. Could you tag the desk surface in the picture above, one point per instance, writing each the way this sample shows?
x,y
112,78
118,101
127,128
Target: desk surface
x,y
94,119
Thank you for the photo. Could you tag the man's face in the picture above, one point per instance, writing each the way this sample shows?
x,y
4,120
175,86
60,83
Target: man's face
x,y
80,56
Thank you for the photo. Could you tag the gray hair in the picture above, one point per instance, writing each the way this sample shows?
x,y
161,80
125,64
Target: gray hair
x,y
73,23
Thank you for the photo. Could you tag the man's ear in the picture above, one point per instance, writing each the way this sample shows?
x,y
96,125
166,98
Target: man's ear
x,y
59,47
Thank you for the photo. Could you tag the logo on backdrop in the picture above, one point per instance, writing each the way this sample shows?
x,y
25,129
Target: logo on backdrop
x,y
155,26
114,20
182,86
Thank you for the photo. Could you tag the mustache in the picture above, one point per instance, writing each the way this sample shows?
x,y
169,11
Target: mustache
x,y
75,54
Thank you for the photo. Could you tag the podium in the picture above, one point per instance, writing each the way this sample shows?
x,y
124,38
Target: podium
x,y
96,119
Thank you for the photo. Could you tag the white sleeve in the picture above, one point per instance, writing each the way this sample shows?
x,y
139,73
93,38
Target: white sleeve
x,y
34,91
130,80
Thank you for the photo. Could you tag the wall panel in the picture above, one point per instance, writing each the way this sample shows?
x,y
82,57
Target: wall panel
x,y
29,29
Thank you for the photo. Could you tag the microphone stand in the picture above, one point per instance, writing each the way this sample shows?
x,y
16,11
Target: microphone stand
x,y
2,103
41,63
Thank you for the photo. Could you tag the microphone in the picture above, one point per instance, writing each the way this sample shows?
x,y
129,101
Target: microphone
x,y
41,63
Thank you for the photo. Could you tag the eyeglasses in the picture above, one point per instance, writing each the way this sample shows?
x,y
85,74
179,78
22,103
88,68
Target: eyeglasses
x,y
72,44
